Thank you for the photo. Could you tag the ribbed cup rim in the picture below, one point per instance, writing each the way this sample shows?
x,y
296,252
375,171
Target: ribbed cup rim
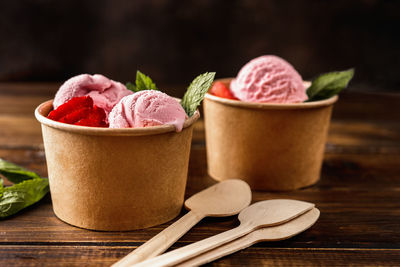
x,y
244,104
43,110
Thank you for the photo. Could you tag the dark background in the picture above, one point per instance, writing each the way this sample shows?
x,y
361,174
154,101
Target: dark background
x,y
173,41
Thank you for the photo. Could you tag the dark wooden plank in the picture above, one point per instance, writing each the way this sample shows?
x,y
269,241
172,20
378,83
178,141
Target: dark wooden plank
x,y
17,132
21,105
351,105
29,88
358,195
367,106
362,137
343,169
350,218
273,255
351,185
354,104
341,225
348,128
346,165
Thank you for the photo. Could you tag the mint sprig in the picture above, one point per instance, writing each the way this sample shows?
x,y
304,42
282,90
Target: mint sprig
x,y
329,84
28,188
196,92
15,173
22,195
143,82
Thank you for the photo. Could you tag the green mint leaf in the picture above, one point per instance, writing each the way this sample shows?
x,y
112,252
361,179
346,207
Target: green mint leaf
x,y
15,173
329,84
131,86
22,195
196,92
1,187
144,82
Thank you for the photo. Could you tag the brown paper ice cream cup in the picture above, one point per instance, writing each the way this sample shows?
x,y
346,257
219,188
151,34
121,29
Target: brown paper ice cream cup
x,y
273,147
115,179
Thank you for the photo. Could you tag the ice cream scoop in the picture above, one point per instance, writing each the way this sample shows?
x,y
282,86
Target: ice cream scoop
x,y
104,92
147,108
269,79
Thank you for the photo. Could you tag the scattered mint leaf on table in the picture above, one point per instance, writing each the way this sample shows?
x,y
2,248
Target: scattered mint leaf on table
x,y
143,82
22,195
196,92
15,173
28,188
329,84
1,187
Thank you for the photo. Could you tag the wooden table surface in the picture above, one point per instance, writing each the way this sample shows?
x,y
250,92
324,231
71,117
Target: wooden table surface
x,y
358,195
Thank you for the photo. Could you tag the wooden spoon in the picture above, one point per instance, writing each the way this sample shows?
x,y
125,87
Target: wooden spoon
x,y
223,199
260,214
273,233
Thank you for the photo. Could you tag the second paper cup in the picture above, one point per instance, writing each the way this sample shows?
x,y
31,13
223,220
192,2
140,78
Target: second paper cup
x,y
273,147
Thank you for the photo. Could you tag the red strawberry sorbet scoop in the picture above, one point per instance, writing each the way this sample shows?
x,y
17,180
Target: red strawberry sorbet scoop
x,y
219,89
80,111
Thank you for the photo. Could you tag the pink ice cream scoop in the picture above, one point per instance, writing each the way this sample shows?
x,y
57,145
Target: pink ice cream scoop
x,y
104,92
147,108
269,79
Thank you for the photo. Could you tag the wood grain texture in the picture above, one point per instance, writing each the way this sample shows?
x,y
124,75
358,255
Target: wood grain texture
x,y
273,233
52,255
358,196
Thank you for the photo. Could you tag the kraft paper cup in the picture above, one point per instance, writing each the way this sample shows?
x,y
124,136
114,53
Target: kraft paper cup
x,y
115,179
273,147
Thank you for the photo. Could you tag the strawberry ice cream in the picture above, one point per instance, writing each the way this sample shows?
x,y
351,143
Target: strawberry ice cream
x,y
104,92
269,79
147,108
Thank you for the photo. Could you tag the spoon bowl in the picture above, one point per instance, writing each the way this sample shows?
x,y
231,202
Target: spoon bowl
x,y
274,211
286,230
222,199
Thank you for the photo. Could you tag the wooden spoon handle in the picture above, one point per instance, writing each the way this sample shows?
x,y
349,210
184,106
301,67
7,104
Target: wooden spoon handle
x,y
219,252
162,241
179,255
